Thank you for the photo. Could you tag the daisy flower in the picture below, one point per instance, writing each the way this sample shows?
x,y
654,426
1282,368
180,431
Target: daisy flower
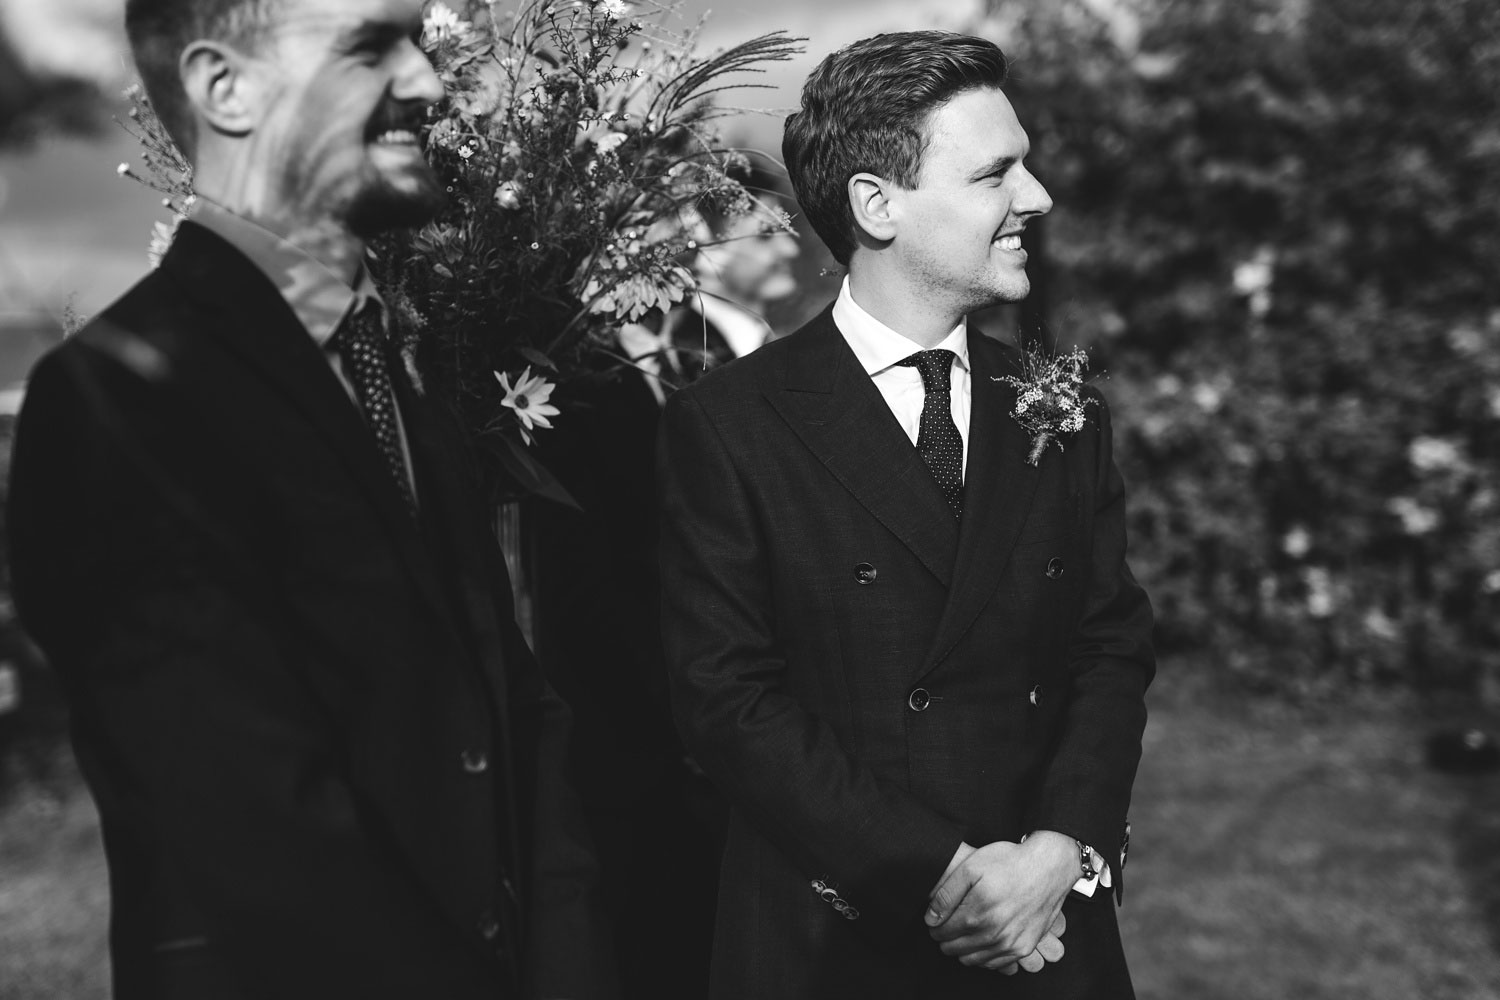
x,y
528,398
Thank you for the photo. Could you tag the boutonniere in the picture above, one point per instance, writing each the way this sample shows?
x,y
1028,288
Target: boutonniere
x,y
1049,397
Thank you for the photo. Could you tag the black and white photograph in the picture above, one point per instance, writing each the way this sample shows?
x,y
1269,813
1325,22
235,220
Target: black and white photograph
x,y
674,500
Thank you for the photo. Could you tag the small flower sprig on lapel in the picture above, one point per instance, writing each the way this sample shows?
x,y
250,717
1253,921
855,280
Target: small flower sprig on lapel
x,y
1049,397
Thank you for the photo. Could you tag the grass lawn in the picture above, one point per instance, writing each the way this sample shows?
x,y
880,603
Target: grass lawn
x,y
1278,854
1293,854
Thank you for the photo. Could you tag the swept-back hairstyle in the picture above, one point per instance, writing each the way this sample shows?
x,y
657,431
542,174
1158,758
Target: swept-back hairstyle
x,y
159,31
865,109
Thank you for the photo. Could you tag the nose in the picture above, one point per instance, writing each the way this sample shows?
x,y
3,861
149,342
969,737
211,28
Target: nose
x,y
415,79
1032,199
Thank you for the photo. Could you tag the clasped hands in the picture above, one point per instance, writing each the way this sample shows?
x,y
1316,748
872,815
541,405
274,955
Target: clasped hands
x,y
1000,906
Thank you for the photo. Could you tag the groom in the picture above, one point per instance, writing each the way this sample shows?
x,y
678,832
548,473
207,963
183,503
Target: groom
x,y
915,663
325,762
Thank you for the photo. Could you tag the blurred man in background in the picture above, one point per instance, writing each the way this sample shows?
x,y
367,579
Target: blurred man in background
x,y
325,762
658,822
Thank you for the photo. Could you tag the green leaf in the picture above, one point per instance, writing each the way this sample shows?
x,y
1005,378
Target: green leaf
x,y
537,358
530,476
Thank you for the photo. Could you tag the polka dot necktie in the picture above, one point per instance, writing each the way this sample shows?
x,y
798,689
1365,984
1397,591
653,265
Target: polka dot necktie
x,y
938,441
360,343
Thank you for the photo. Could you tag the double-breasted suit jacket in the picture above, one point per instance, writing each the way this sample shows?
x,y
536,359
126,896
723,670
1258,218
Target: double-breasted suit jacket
x,y
872,681
325,762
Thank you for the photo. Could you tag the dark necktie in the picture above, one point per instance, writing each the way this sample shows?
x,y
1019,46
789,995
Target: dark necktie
x,y
360,343
938,441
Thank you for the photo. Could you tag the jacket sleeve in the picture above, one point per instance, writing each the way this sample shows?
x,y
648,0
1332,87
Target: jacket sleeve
x,y
1086,790
570,951
779,764
203,739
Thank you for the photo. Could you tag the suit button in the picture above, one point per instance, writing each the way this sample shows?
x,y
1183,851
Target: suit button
x,y
918,700
1054,568
475,761
1036,695
488,926
864,573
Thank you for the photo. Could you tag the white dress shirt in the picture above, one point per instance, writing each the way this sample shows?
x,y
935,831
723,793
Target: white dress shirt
x,y
880,349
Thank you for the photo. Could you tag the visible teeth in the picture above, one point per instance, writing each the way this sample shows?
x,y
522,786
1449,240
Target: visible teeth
x,y
1009,242
397,136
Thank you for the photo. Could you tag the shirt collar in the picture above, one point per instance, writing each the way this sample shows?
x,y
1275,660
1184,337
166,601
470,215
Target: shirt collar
x,y
877,346
741,329
318,296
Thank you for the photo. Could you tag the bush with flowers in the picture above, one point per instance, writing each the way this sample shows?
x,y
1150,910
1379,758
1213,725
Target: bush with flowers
x,y
1276,228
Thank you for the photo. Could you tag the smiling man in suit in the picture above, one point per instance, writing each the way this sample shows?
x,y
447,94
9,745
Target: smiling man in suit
x,y
325,762
914,662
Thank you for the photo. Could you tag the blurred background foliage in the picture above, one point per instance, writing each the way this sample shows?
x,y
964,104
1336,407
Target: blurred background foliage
x,y
1278,229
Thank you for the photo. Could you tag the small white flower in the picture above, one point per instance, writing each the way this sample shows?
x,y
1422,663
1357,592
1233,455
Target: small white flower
x,y
1297,542
614,9
123,170
508,195
441,23
1319,591
528,398
466,152
609,142
1433,454
1415,519
1381,625
1208,397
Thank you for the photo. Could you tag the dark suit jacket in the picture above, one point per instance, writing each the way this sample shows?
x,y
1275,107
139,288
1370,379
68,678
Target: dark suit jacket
x,y
598,632
871,683
325,762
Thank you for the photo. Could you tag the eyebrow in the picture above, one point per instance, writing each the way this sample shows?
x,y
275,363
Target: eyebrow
x,y
995,168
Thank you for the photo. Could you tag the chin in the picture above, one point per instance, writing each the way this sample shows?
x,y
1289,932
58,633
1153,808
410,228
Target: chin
x,y
409,201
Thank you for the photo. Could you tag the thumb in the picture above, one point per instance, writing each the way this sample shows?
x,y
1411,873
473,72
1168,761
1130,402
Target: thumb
x,y
949,894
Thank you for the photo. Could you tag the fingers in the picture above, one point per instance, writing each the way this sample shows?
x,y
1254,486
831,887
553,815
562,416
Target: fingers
x,y
950,893
1033,962
1059,925
1050,948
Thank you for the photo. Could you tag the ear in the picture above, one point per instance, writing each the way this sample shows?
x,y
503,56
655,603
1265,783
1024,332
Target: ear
x,y
870,201
219,86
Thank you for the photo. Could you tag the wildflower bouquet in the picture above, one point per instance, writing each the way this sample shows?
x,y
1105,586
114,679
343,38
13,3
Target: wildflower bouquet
x,y
575,143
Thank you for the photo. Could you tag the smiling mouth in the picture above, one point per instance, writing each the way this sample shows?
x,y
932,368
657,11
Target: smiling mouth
x,y
396,137
1011,242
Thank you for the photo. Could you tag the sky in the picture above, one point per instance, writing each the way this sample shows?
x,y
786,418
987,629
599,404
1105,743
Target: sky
x,y
74,234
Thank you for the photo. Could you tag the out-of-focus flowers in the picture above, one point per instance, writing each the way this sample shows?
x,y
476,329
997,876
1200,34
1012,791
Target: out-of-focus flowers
x,y
1434,454
1415,518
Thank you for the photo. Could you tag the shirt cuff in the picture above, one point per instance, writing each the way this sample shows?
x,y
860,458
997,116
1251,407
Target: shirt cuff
x,y
1086,886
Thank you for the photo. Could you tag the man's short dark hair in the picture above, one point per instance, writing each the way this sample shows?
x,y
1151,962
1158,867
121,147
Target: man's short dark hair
x,y
160,30
864,110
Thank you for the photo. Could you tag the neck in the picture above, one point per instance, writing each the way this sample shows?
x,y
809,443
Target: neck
x,y
888,297
248,194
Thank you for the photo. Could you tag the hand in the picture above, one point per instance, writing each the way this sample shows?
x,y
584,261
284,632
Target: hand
x,y
1048,949
999,902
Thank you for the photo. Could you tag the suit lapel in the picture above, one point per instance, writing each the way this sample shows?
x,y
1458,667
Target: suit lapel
x,y
832,405
999,487
260,328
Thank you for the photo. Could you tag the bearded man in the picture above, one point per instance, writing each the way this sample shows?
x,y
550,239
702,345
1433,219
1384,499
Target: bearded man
x,y
325,762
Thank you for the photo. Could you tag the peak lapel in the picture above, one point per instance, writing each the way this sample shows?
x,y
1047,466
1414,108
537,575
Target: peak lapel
x,y
832,405
261,329
999,487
